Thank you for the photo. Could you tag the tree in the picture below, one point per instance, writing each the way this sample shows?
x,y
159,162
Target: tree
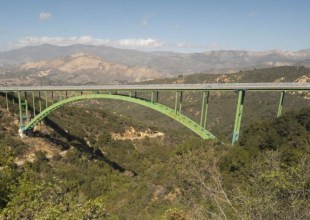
x,y
202,181
8,174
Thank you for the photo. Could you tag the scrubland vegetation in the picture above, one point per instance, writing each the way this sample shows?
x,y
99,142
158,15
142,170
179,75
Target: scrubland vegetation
x,y
74,168
265,176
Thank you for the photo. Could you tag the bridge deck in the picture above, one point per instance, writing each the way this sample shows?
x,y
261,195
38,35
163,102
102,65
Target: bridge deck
x,y
169,87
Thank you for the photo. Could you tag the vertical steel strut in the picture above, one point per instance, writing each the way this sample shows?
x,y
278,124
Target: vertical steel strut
x,y
13,98
152,97
40,104
46,105
281,104
178,102
6,100
27,115
33,104
155,97
21,115
204,109
26,106
20,110
241,94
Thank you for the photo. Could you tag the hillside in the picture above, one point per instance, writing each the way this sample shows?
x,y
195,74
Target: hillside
x,y
75,167
115,160
76,69
168,62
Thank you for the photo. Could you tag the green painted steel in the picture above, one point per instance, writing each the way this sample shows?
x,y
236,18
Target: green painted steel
x,y
21,114
178,102
6,100
33,104
46,103
13,100
20,110
155,106
204,109
27,114
117,92
40,104
239,111
279,113
152,97
155,96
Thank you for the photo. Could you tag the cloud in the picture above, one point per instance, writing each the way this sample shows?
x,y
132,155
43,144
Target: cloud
x,y
252,14
176,27
88,40
59,41
45,16
210,46
145,22
150,43
130,43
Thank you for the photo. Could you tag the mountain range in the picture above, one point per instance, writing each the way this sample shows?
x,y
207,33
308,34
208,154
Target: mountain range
x,y
85,64
167,62
75,69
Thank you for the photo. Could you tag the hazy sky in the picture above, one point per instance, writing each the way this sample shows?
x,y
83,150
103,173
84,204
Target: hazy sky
x,y
177,25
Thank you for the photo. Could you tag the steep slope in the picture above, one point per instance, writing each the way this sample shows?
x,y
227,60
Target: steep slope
x,y
79,171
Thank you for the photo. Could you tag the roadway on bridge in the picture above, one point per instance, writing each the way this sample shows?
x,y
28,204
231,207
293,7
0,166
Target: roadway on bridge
x,y
169,87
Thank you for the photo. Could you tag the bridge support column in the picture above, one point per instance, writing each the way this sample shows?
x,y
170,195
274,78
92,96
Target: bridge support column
x,y
33,104
279,113
20,110
155,97
26,107
40,104
152,97
46,104
239,111
21,114
178,102
204,109
53,97
60,97
133,94
6,100
13,100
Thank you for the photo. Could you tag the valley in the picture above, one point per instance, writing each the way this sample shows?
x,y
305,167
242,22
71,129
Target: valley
x,y
107,159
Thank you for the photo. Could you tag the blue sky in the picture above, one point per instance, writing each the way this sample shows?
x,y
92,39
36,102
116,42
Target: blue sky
x,y
183,25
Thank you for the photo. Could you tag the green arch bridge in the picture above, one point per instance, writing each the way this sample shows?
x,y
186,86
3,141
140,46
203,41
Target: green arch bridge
x,y
129,93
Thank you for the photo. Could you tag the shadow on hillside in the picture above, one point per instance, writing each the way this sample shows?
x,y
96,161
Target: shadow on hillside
x,y
77,142
11,98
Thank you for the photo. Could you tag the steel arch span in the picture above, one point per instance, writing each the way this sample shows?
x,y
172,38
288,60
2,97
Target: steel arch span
x,y
184,120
